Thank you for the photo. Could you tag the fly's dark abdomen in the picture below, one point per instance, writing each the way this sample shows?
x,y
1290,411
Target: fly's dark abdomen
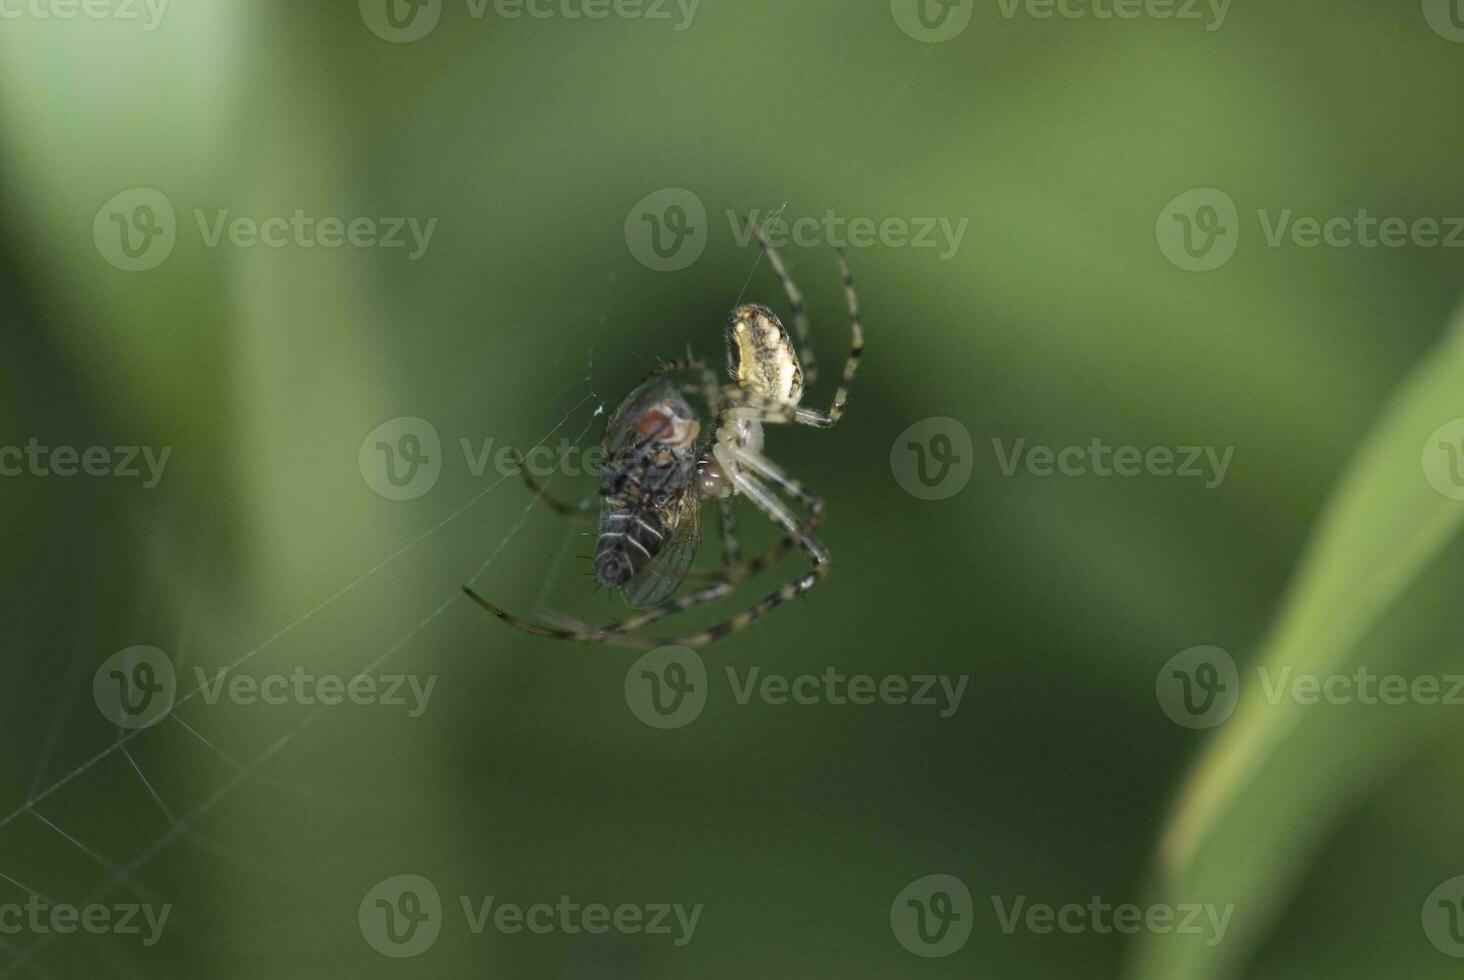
x,y
647,489
629,539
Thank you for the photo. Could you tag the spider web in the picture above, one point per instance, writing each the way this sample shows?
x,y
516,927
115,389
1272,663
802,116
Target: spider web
x,y
575,408
584,403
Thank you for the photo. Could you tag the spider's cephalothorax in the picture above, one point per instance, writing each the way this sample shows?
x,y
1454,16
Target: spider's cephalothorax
x,y
650,451
657,473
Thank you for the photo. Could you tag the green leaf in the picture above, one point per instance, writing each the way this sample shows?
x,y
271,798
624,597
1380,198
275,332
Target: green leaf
x,y
1378,590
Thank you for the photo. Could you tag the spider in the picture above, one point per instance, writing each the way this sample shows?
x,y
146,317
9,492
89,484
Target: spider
x,y
659,469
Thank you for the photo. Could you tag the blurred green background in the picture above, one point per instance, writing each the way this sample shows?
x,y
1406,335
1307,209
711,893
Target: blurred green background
x,y
533,142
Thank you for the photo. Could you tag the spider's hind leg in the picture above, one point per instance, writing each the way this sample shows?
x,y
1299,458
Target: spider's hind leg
x,y
583,512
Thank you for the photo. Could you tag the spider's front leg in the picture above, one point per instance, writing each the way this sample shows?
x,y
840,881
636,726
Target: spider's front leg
x,y
795,302
745,458
742,466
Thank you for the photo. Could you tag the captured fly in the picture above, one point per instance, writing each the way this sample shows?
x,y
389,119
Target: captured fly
x,y
650,507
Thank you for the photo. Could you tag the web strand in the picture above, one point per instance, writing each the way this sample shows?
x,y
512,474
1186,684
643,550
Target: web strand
x,y
40,797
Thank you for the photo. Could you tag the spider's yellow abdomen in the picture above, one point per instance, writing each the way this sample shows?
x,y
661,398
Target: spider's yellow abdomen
x,y
760,356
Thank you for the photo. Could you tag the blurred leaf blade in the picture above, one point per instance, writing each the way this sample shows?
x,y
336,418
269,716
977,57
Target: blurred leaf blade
x,y
1373,593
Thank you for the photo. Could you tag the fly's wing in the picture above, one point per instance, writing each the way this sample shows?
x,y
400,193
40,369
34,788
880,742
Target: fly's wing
x,y
659,579
620,431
